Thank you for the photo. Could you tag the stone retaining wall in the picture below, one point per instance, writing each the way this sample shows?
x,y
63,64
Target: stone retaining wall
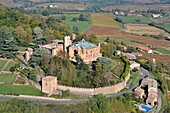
x,y
94,91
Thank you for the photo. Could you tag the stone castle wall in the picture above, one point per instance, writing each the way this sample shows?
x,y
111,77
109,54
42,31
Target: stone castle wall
x,y
94,91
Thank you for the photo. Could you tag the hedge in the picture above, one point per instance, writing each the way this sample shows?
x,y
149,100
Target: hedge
x,y
126,69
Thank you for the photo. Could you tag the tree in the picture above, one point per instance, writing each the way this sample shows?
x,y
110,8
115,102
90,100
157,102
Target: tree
x,y
75,29
118,19
12,69
45,13
63,17
37,57
8,43
84,17
37,32
23,36
99,104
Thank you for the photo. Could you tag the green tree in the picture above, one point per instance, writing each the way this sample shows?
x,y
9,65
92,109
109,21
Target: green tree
x,y
99,104
37,57
8,44
75,29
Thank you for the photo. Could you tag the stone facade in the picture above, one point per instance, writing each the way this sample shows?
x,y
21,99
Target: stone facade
x,y
28,54
87,51
49,84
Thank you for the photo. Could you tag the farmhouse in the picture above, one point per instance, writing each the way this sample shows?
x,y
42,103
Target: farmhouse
x,y
145,49
134,65
139,92
157,16
129,56
122,47
49,84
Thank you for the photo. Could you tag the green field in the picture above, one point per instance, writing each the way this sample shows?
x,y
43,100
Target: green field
x,y
7,78
18,89
135,19
82,25
162,50
164,26
2,63
8,66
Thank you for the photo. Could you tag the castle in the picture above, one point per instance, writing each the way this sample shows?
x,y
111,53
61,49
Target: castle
x,y
87,51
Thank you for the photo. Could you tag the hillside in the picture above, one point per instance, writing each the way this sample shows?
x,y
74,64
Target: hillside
x,y
96,1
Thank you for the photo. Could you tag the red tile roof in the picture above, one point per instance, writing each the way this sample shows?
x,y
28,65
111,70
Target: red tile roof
x,y
146,49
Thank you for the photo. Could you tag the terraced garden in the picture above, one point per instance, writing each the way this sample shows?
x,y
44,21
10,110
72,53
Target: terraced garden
x,y
7,78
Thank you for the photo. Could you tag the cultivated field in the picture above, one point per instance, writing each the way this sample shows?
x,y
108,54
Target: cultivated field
x,y
104,19
10,4
159,58
144,40
104,24
139,7
67,6
101,30
141,29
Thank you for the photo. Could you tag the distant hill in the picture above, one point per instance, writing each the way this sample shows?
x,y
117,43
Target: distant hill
x,y
103,2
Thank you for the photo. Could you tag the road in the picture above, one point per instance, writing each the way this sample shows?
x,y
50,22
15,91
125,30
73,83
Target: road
x,y
142,71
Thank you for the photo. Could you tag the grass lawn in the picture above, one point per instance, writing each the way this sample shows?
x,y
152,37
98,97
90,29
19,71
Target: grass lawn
x,y
8,66
19,89
135,19
2,63
136,77
7,78
82,25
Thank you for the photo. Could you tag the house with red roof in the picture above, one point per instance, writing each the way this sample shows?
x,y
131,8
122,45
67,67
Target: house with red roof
x,y
145,49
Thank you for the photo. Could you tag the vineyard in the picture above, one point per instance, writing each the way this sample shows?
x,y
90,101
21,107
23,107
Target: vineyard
x,y
144,40
141,29
104,19
104,24
100,30
159,58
